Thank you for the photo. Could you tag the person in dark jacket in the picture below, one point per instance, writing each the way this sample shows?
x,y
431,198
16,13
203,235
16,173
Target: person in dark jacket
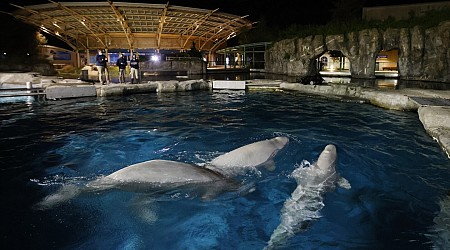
x,y
134,64
101,62
122,64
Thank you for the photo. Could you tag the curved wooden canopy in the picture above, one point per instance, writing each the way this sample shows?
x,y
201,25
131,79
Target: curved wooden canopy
x,y
121,25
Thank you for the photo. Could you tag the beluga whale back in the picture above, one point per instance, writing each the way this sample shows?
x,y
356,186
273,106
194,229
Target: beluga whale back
x,y
158,176
306,200
250,156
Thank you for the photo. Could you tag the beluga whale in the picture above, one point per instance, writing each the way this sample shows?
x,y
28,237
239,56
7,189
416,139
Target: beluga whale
x,y
306,200
159,176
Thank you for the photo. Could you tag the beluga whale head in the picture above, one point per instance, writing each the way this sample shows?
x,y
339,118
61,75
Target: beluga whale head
x,y
249,157
306,201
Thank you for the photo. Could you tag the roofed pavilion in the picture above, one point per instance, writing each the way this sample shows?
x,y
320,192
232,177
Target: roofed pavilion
x,y
123,25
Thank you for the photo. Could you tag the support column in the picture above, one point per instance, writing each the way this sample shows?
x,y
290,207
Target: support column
x,y
107,56
77,58
88,57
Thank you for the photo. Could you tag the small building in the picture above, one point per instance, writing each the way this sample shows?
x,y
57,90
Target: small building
x,y
59,57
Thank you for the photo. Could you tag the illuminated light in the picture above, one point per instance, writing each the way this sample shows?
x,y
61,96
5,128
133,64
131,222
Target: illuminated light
x,y
154,58
4,53
28,54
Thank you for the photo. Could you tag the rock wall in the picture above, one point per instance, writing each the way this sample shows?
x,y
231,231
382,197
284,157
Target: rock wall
x,y
191,67
44,68
424,54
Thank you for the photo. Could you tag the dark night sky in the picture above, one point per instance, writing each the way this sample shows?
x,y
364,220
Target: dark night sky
x,y
283,12
276,13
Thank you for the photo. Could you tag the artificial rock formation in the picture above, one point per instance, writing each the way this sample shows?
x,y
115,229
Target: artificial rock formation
x,y
424,54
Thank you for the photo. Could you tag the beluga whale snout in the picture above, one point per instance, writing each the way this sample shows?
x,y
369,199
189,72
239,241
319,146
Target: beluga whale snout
x,y
327,159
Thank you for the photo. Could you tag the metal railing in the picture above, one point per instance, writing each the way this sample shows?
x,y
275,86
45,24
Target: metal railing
x,y
28,91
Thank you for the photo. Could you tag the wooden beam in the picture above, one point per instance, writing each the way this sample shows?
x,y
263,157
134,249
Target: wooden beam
x,y
123,22
224,26
194,26
161,25
41,26
82,20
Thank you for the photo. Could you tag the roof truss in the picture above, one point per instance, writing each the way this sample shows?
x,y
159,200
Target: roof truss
x,y
132,25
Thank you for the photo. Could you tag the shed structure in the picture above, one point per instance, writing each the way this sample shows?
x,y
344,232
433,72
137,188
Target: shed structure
x,y
123,25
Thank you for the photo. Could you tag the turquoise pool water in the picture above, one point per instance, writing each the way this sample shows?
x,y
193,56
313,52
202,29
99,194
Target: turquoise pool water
x,y
399,176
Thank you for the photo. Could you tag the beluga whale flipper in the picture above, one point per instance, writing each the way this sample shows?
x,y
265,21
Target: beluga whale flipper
x,y
306,200
159,176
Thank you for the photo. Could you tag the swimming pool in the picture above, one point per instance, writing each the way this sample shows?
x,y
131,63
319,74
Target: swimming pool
x,y
398,174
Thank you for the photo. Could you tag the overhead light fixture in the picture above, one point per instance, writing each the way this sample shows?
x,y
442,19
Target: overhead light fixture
x,y
154,58
56,24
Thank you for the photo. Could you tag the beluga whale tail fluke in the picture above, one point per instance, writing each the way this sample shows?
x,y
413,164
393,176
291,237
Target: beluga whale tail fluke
x,y
158,176
306,200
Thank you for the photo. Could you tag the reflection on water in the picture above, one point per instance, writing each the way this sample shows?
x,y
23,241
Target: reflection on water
x,y
390,83
398,174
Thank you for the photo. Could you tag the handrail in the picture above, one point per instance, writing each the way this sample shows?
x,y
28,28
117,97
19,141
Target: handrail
x,y
22,92
181,58
22,89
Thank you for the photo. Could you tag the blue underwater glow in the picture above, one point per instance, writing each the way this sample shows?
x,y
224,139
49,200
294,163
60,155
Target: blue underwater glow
x,y
398,174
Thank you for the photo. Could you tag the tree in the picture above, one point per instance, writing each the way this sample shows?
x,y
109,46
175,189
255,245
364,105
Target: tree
x,y
194,52
41,38
261,33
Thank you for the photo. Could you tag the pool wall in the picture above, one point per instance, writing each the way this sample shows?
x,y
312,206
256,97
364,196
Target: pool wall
x,y
434,117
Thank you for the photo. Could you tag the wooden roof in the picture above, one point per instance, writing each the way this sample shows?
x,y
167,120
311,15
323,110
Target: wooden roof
x,y
120,25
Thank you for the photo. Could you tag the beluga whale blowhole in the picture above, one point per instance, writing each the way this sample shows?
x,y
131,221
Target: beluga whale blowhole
x,y
306,200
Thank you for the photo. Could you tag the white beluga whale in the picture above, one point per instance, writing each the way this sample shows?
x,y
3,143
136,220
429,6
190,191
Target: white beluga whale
x,y
250,156
439,233
306,200
159,176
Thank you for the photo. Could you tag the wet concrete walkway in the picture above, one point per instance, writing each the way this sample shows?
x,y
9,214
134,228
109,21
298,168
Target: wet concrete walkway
x,y
430,101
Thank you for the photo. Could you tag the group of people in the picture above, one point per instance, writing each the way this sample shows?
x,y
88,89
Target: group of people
x,y
101,61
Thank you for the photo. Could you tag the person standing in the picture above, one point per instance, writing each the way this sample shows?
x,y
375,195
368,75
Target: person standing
x,y
122,64
101,61
134,64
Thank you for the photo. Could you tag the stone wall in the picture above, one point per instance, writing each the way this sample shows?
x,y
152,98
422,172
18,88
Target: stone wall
x,y
43,68
424,54
191,67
